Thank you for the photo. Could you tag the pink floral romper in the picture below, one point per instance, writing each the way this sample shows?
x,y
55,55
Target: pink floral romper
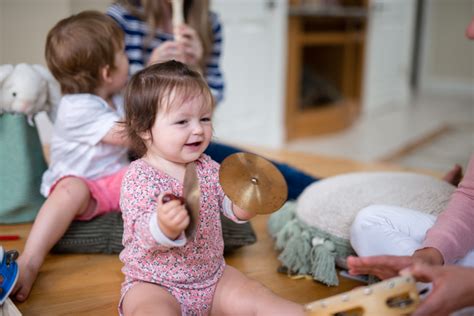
x,y
190,273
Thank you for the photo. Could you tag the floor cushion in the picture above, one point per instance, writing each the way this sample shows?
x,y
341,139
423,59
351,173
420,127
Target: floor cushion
x,y
313,232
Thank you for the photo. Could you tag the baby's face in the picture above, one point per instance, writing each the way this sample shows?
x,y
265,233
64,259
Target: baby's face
x,y
182,132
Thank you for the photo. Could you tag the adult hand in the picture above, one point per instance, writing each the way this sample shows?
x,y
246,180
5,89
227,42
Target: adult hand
x,y
190,44
172,217
453,288
383,267
169,50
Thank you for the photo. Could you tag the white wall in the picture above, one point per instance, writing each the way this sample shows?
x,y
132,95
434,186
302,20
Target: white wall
x,y
254,66
388,57
2,5
447,55
81,5
24,25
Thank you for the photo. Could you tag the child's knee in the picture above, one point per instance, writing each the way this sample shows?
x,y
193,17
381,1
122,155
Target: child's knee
x,y
73,186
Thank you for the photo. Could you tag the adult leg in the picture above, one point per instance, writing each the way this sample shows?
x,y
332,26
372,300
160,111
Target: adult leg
x,y
389,230
149,299
297,180
70,198
236,294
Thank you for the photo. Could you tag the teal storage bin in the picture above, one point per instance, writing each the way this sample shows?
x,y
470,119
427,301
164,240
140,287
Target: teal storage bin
x,y
21,167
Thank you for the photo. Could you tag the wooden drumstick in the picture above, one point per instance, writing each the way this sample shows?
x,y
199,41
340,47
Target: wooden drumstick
x,y
177,18
178,13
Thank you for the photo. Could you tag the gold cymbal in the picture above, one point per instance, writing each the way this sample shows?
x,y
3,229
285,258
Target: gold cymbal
x,y
253,183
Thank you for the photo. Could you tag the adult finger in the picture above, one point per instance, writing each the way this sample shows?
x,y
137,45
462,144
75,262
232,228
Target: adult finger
x,y
185,31
423,272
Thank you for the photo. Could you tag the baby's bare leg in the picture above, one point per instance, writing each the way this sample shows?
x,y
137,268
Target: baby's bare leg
x,y
150,299
236,294
71,197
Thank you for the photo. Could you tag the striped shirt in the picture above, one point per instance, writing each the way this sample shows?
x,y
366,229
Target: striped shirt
x,y
139,52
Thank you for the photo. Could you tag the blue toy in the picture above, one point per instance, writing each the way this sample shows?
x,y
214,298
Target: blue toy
x,y
8,273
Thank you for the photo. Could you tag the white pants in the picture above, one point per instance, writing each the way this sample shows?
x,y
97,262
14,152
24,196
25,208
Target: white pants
x,y
392,230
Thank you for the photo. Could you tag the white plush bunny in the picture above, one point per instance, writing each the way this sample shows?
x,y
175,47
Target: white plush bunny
x,y
28,89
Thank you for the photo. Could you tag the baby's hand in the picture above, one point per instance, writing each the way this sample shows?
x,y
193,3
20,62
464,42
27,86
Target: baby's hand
x,y
241,213
171,215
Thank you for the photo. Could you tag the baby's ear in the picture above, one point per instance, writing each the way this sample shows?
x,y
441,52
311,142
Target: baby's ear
x,y
146,136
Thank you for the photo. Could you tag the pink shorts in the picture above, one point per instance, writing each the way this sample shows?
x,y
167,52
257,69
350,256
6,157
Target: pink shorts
x,y
105,191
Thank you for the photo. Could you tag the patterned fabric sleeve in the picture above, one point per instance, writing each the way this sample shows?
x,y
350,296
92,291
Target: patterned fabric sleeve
x,y
138,205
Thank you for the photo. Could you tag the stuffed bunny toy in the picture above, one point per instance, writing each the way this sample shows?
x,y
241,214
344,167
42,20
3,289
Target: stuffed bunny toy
x,y
28,89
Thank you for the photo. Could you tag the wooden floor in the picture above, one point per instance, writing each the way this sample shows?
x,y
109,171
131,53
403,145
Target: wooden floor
x,y
90,284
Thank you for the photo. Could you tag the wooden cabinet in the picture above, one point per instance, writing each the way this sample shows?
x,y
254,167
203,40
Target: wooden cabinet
x,y
325,62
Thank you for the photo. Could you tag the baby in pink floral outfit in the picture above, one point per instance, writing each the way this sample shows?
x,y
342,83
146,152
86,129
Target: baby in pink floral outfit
x,y
168,119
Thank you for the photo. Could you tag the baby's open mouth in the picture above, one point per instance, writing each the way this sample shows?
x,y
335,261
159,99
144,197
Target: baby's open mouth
x,y
195,144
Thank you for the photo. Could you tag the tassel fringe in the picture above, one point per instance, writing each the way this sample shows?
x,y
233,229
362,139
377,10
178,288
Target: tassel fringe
x,y
295,254
303,251
279,219
323,263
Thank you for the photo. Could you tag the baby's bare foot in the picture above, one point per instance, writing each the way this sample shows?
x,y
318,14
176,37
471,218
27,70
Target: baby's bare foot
x,y
454,176
26,278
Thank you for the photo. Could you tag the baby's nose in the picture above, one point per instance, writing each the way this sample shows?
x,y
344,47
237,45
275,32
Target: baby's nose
x,y
197,128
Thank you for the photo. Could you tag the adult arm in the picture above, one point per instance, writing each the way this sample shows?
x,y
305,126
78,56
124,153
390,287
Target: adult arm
x,y
453,232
